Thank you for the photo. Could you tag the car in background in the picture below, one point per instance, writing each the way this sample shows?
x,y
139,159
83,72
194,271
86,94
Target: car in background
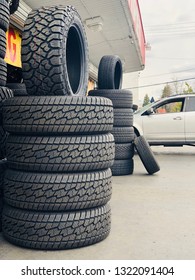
x,y
169,121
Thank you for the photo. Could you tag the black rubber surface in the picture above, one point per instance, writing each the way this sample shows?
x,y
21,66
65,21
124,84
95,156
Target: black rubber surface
x,y
3,138
123,117
110,72
19,89
123,134
60,154
124,150
3,72
123,167
57,192
58,115
55,52
2,43
14,6
2,172
5,93
4,15
1,209
56,230
121,98
146,155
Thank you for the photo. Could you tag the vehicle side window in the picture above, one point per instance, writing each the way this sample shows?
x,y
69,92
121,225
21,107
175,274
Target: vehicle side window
x,y
191,104
170,107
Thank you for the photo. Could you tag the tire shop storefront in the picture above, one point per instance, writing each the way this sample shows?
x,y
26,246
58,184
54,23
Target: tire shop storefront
x,y
113,27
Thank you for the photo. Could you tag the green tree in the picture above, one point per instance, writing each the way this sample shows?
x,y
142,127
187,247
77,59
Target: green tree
x,y
146,100
188,88
167,91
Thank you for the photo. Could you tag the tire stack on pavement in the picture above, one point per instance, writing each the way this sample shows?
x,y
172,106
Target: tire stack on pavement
x,y
59,150
109,86
4,92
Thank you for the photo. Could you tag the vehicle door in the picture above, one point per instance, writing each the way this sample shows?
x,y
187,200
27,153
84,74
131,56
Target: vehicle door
x,y
190,119
166,123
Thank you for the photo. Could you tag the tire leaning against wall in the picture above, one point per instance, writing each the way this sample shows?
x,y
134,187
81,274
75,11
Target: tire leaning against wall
x,y
55,52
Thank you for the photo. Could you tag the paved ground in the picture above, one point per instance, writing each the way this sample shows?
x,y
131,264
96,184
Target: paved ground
x,y
153,217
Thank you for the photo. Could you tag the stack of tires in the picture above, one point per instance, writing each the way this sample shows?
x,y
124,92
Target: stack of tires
x,y
109,86
59,150
4,92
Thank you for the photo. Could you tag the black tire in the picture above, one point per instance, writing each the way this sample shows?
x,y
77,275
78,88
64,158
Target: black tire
x,y
123,167
4,15
123,117
58,115
120,98
124,151
123,134
3,72
19,89
57,191
3,166
110,72
2,43
5,93
14,6
3,138
146,155
55,52
1,210
60,154
56,230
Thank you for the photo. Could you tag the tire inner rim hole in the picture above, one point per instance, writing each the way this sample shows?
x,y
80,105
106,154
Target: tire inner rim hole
x,y
73,58
117,75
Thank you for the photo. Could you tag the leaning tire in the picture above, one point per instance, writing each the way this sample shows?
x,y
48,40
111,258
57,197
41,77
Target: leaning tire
x,y
123,167
3,72
57,191
56,230
58,115
146,155
60,154
120,98
55,52
110,72
4,15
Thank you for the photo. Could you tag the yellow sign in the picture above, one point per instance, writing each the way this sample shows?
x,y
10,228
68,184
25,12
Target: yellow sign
x,y
13,51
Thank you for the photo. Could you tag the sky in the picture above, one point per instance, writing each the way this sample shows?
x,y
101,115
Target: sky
x,y
169,27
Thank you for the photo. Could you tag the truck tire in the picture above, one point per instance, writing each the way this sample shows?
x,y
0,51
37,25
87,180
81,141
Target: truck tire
x,y
123,167
58,115
57,191
124,151
56,230
123,134
146,155
4,15
5,93
60,154
2,43
3,72
121,98
19,89
3,138
123,117
110,72
55,52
